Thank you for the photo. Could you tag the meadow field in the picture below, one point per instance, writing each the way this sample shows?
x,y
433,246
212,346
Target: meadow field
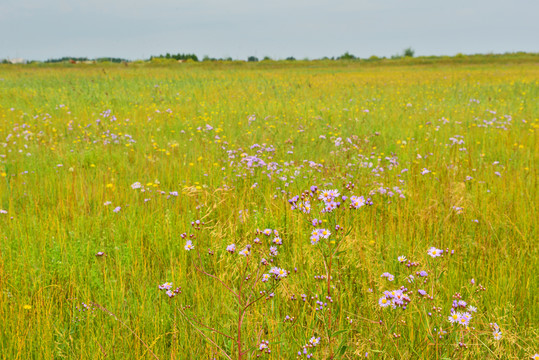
x,y
276,211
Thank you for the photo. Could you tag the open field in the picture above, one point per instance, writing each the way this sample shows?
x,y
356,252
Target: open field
x,y
103,169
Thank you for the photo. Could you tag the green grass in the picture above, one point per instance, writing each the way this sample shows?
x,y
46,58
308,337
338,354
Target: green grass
x,y
56,219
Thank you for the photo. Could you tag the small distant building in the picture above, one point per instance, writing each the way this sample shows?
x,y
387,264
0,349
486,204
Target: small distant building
x,y
18,61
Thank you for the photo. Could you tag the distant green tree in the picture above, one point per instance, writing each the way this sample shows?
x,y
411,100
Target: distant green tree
x,y
291,58
409,52
346,56
252,59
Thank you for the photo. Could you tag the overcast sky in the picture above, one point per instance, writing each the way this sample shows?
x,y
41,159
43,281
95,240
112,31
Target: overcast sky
x,y
136,29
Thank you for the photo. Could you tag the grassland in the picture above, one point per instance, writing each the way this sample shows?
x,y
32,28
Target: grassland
x,y
103,169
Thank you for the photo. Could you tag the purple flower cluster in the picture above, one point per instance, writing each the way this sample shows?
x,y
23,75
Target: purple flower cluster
x,y
318,234
460,318
497,333
356,202
278,272
264,347
388,276
330,199
168,286
394,298
313,342
197,224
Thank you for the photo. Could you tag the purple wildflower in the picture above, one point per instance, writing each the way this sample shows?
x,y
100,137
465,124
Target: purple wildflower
x,y
383,301
189,245
264,346
435,252
165,286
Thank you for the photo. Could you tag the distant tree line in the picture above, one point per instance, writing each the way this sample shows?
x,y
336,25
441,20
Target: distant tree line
x,y
407,53
67,59
176,57
83,59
